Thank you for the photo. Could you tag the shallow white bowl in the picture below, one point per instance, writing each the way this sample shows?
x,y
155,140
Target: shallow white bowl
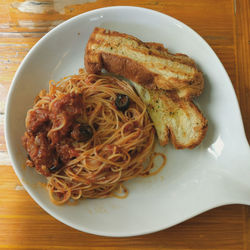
x,y
193,181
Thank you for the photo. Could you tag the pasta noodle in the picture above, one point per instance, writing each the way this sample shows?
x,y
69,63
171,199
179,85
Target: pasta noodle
x,y
121,147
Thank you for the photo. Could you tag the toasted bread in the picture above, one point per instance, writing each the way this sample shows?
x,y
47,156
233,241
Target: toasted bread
x,y
179,120
148,64
165,82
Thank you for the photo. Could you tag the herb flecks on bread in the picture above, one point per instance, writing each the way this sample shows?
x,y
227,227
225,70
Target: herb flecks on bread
x,y
165,82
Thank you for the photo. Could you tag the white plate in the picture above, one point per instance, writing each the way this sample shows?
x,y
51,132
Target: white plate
x,y
193,181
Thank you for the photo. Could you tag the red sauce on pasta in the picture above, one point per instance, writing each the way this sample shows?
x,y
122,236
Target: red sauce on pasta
x,y
48,151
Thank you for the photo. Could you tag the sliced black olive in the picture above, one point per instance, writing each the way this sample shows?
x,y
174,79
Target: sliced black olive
x,y
55,168
96,126
58,166
85,132
28,156
122,102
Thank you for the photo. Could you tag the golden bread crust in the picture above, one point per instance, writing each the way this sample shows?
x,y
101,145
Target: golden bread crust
x,y
201,130
174,119
165,82
149,64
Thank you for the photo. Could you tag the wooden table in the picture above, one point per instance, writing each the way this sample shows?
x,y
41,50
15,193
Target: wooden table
x,y
224,24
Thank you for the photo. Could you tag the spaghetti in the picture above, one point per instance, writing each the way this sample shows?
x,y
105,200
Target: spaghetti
x,y
83,144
